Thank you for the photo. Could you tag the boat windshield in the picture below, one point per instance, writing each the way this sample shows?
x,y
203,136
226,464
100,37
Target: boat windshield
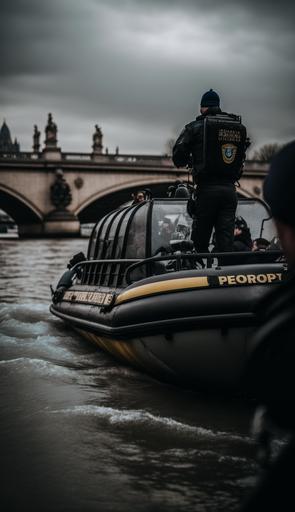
x,y
145,229
171,222
257,217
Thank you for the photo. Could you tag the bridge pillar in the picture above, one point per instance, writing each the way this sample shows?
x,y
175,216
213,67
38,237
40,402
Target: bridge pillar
x,y
61,223
55,224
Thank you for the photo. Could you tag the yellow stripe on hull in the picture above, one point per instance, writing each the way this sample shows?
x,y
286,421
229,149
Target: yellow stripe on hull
x,y
162,286
123,350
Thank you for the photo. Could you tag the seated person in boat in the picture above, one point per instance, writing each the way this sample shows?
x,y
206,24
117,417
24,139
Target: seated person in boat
x,y
139,197
260,244
166,230
242,236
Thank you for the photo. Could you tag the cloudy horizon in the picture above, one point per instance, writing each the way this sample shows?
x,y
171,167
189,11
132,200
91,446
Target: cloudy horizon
x,y
138,69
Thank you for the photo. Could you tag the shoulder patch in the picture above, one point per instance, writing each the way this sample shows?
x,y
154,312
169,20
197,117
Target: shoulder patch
x,y
229,152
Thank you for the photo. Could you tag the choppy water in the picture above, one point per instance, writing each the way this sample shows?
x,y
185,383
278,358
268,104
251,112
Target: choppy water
x,y
81,432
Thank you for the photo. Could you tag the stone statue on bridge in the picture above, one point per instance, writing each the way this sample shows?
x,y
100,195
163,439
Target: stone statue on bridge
x,y
50,133
97,140
36,139
60,192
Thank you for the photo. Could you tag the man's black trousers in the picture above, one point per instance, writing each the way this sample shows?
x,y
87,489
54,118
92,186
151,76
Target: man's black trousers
x,y
215,208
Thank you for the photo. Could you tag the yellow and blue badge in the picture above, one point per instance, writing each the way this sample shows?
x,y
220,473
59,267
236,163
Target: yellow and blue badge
x,y
229,152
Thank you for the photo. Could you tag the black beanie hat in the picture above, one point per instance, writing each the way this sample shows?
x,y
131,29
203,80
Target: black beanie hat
x,y
210,99
279,185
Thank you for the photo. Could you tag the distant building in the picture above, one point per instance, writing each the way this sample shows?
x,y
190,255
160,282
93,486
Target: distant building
x,y
6,144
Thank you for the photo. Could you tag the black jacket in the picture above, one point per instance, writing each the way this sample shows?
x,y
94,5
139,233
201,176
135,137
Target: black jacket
x,y
188,149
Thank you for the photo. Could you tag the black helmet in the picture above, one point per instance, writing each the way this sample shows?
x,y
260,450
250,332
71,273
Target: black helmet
x,y
182,191
240,223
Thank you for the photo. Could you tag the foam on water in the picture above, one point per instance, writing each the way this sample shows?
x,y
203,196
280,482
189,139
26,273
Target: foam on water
x,y
141,417
7,340
23,330
119,371
26,311
181,454
24,320
29,326
39,366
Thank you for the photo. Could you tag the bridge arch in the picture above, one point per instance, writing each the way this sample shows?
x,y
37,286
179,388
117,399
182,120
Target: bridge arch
x,y
18,207
108,199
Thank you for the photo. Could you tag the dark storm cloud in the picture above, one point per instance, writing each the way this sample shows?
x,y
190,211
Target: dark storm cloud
x,y
138,67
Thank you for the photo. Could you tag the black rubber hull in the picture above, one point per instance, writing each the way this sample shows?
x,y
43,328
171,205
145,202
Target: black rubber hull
x,y
191,326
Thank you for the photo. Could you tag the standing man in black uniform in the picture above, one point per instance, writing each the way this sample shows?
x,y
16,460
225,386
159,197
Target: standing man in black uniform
x,y
214,146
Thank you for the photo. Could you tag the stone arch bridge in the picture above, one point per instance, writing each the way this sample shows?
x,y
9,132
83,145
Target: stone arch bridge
x,y
96,184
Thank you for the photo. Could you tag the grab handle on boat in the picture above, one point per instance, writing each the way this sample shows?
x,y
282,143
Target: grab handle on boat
x,y
179,257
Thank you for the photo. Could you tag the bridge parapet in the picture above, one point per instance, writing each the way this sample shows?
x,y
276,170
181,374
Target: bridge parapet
x,y
251,166
98,183
21,155
162,160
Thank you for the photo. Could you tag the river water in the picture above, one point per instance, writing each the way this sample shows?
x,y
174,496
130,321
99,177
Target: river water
x,y
81,432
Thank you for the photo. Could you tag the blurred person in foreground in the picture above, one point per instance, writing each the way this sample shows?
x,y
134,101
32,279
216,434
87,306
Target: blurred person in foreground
x,y
271,368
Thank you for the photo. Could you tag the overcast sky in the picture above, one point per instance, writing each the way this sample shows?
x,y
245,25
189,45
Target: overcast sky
x,y
138,68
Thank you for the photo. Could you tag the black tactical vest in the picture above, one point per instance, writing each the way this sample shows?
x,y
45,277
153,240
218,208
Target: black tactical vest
x,y
224,145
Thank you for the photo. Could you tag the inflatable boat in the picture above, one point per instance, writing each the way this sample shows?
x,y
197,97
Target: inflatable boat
x,y
145,296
